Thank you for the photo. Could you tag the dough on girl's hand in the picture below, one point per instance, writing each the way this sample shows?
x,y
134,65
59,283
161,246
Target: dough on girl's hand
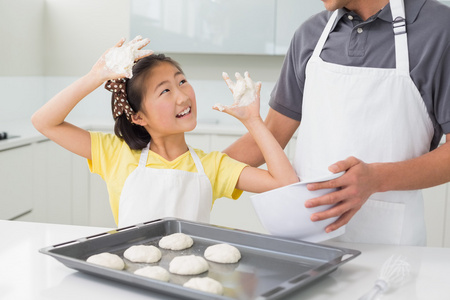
x,y
176,241
143,254
108,260
188,265
222,253
244,90
153,272
205,284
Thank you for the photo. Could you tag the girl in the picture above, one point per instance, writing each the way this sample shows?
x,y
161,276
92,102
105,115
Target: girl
x,y
149,169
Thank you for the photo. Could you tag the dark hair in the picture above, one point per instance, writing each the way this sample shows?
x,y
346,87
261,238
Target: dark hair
x,y
135,135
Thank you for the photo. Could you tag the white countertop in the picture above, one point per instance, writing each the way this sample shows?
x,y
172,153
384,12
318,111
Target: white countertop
x,y
27,274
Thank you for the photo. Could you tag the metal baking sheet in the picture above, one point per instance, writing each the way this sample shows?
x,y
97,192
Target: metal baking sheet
x,y
270,267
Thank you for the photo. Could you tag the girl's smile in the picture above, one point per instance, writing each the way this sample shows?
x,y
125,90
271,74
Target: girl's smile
x,y
184,112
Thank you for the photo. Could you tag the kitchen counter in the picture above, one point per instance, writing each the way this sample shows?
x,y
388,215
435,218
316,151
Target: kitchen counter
x,y
27,274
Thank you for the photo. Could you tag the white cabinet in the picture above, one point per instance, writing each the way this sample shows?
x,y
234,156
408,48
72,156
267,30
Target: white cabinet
x,y
290,15
100,213
204,26
222,27
447,214
16,181
80,176
67,192
435,202
59,190
56,187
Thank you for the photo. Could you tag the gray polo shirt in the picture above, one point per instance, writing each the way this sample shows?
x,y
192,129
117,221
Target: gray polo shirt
x,y
353,42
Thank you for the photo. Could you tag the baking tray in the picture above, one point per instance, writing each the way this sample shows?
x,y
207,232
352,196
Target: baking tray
x,y
270,267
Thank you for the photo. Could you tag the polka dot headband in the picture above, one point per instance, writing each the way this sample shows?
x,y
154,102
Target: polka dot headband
x,y
119,98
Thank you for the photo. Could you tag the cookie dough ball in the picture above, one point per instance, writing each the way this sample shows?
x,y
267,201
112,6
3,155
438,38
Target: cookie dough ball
x,y
176,241
153,272
222,253
188,265
108,260
205,284
143,254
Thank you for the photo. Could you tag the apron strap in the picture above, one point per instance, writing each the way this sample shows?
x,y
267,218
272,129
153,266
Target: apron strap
x,y
144,154
323,38
400,36
198,163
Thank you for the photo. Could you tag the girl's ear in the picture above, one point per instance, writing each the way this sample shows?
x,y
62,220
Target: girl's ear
x,y
138,119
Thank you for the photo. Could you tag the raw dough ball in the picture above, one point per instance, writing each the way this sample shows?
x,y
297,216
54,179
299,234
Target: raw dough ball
x,y
108,260
188,265
205,284
153,272
176,241
223,253
143,254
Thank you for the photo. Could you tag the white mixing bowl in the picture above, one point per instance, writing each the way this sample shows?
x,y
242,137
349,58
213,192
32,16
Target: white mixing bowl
x,y
282,212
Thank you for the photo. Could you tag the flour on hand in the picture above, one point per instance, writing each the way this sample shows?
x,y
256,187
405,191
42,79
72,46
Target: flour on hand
x,y
121,60
244,90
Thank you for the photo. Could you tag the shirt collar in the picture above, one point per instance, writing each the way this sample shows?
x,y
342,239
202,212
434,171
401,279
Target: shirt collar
x,y
412,9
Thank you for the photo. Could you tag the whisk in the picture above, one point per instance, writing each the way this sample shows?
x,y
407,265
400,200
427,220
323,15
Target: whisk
x,y
394,272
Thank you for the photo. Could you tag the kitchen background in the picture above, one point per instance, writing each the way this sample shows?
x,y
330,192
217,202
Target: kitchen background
x,y
47,44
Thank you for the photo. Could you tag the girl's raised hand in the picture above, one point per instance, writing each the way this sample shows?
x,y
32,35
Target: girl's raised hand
x,y
246,94
118,61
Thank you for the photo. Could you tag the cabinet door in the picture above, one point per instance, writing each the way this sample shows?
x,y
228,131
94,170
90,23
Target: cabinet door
x,y
100,213
204,26
58,182
447,217
80,191
16,181
434,205
290,15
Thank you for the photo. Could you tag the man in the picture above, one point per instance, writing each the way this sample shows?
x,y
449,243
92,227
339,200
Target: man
x,y
368,89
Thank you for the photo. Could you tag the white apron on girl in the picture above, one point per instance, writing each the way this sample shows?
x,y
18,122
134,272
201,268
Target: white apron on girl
x,y
376,115
150,193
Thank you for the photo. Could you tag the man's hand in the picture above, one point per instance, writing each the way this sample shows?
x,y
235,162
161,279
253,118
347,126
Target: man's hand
x,y
354,188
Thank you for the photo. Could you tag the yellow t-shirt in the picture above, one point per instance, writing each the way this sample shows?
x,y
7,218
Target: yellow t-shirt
x,y
113,160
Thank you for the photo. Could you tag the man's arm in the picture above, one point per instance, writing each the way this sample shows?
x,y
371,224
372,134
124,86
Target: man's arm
x,y
246,150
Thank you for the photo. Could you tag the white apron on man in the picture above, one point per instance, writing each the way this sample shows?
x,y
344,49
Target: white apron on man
x,y
376,115
150,193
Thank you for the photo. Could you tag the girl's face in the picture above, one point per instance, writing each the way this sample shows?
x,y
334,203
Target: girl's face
x,y
169,105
